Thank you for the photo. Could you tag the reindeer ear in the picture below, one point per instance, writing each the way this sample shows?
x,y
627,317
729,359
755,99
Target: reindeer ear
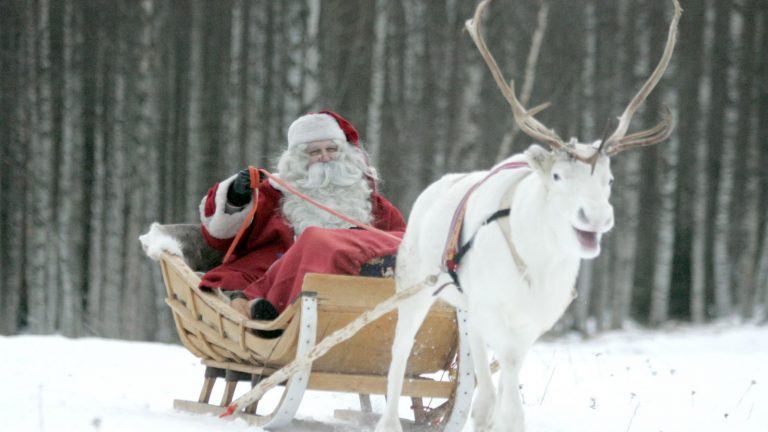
x,y
540,159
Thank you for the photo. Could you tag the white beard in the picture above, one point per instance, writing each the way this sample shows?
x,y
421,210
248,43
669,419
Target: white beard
x,y
336,184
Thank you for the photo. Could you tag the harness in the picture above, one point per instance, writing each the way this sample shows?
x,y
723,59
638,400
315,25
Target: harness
x,y
454,251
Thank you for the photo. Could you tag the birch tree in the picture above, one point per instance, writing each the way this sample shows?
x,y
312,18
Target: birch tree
x,y
73,313
685,300
664,168
762,131
373,128
234,109
394,109
36,122
198,184
311,54
714,141
628,190
585,281
745,212
723,227
13,172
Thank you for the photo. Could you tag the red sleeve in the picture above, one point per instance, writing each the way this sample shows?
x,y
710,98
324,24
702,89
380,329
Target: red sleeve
x,y
386,216
262,227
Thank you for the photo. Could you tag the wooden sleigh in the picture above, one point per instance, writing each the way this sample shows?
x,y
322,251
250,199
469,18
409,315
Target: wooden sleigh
x,y
224,340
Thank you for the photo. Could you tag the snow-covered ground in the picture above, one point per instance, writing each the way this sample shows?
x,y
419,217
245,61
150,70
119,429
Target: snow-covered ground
x,y
694,379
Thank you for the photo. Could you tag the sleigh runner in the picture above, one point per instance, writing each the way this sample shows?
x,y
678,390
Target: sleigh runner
x,y
225,342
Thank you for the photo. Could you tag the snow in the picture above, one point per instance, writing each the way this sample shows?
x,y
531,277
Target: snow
x,y
704,379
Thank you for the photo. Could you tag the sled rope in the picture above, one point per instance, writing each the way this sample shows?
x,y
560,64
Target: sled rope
x,y
341,216
251,214
326,344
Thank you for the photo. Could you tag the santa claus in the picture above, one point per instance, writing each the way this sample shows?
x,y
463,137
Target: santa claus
x,y
289,237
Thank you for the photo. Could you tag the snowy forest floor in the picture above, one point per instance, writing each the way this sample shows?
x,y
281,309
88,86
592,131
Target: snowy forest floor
x,y
712,378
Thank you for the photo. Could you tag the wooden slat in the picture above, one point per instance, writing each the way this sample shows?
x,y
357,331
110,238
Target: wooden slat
x,y
333,292
378,385
350,383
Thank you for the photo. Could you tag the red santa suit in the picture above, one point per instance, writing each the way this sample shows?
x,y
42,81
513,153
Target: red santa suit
x,y
270,262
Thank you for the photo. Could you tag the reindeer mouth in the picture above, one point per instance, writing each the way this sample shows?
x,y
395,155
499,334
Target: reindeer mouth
x,y
589,240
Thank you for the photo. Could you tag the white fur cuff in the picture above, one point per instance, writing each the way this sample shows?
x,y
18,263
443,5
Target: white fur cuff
x,y
222,225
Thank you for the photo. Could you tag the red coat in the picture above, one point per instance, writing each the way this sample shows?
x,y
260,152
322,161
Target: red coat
x,y
255,268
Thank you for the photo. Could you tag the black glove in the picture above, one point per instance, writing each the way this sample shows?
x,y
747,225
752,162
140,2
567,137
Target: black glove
x,y
239,192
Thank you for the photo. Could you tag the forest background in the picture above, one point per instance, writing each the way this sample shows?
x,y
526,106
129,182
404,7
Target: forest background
x,y
115,114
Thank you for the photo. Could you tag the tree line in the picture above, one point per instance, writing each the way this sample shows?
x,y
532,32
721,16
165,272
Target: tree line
x,y
116,114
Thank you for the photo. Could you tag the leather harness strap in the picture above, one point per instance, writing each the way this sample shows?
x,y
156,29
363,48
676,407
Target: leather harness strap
x,y
506,202
454,252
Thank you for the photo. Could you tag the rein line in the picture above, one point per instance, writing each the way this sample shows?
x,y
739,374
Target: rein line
x,y
254,173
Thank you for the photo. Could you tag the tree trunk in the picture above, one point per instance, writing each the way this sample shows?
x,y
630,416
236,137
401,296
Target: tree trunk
x,y
698,249
183,203
762,131
74,299
723,226
745,211
234,105
198,185
140,295
37,126
89,78
394,110
665,165
268,74
714,141
582,303
11,44
216,41
687,129
628,173
373,128
97,289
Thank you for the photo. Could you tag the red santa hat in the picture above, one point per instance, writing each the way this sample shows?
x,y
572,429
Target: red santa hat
x,y
319,126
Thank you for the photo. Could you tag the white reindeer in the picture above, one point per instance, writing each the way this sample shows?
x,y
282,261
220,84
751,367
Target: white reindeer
x,y
517,278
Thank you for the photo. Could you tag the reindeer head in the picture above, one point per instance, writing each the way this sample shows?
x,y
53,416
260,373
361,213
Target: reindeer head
x,y
577,197
577,176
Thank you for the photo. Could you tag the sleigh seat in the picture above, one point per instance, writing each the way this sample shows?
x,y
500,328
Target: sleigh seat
x,y
226,343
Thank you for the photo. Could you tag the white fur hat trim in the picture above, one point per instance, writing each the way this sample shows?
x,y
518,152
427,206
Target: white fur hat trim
x,y
314,127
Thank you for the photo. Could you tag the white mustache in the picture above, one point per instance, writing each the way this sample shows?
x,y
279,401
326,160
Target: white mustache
x,y
323,174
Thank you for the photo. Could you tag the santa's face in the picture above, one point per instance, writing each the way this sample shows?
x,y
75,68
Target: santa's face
x,y
332,173
322,151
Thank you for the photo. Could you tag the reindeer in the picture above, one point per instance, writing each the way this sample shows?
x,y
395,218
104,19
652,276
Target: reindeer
x,y
518,276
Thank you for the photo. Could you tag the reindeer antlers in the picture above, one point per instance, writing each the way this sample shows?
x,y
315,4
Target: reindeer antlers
x,y
619,140
616,142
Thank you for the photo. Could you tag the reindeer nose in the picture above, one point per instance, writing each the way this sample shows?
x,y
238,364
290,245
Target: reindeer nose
x,y
601,217
583,215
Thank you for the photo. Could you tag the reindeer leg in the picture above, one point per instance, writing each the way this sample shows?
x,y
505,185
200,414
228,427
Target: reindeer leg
x,y
485,399
411,313
508,416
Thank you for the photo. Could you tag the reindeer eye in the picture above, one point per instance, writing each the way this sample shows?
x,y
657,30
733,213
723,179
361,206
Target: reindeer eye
x,y
556,177
610,182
